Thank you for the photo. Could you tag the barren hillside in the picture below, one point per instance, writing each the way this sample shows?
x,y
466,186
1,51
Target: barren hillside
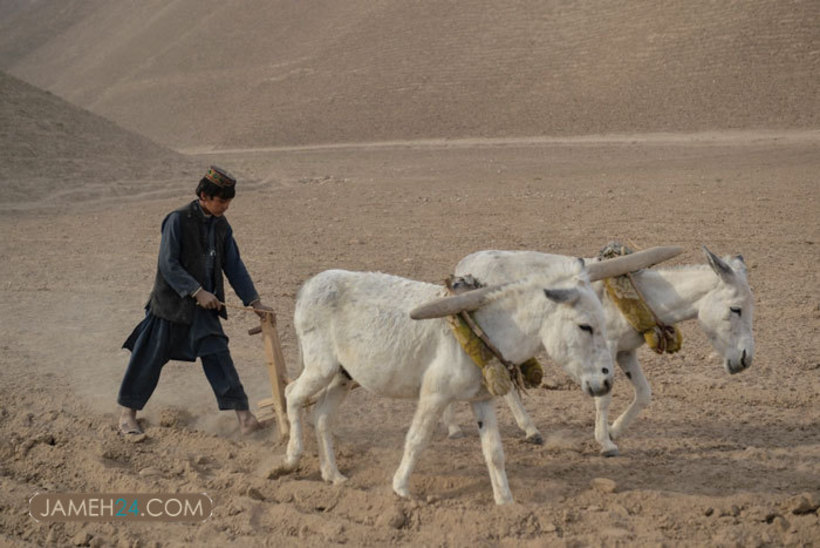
x,y
54,152
259,73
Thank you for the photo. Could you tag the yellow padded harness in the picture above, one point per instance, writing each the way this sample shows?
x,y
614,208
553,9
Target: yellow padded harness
x,y
631,303
499,375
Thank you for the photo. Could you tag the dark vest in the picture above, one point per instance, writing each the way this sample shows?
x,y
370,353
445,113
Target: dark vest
x,y
165,302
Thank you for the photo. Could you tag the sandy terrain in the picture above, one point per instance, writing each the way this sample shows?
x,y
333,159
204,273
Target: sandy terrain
x,y
715,460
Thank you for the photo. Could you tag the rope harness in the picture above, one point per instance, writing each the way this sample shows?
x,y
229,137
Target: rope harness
x,y
630,301
500,375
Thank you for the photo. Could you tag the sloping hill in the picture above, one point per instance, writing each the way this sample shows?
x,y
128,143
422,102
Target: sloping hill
x,y
264,72
55,154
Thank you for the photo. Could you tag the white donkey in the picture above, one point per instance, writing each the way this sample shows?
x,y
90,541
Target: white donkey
x,y
718,295
357,326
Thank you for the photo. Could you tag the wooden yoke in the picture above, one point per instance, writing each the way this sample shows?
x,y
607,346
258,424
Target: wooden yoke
x,y
276,372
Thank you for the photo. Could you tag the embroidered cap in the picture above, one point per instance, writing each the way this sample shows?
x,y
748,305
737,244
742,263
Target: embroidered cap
x,y
220,177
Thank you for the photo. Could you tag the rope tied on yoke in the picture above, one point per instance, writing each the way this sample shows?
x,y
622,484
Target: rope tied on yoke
x,y
500,375
630,301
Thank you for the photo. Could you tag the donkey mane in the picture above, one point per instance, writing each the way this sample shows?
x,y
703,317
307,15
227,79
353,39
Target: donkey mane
x,y
699,268
556,275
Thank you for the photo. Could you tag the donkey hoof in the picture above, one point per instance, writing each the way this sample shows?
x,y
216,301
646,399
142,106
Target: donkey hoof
x,y
455,435
401,491
535,439
281,467
610,452
336,479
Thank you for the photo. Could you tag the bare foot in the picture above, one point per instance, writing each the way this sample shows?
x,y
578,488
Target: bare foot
x,y
128,422
248,422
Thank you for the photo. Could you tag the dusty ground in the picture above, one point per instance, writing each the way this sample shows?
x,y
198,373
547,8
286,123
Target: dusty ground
x,y
714,460
714,111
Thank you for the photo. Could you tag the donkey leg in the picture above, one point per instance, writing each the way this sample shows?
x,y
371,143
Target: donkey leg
x,y
309,382
324,410
448,418
428,412
628,361
493,451
602,432
522,418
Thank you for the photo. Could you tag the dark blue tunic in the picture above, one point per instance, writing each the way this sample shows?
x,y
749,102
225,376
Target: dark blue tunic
x,y
205,334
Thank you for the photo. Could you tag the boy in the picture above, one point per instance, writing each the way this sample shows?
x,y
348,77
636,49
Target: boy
x,y
182,313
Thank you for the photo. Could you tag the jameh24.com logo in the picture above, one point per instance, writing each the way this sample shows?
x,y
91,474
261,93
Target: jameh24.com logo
x,y
120,507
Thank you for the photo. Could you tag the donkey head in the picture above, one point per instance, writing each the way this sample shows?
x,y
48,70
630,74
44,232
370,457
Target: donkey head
x,y
573,335
726,313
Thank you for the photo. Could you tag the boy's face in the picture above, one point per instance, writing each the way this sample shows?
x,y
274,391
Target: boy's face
x,y
214,205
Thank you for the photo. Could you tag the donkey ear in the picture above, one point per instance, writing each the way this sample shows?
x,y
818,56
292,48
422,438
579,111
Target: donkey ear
x,y
562,296
738,264
721,268
579,268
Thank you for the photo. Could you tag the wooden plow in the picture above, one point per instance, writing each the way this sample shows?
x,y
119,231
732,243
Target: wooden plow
x,y
274,406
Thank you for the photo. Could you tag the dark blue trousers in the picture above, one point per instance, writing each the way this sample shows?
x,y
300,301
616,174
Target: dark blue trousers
x,y
155,342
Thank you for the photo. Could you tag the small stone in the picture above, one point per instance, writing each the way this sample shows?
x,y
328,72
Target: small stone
x,y
136,438
46,439
614,533
781,523
255,494
804,504
619,510
603,485
395,519
150,471
81,539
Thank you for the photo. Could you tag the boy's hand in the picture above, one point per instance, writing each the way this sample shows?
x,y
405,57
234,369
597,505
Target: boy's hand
x,y
207,300
263,310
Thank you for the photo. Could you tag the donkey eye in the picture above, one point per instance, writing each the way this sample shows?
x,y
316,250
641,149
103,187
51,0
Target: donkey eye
x,y
585,327
736,310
